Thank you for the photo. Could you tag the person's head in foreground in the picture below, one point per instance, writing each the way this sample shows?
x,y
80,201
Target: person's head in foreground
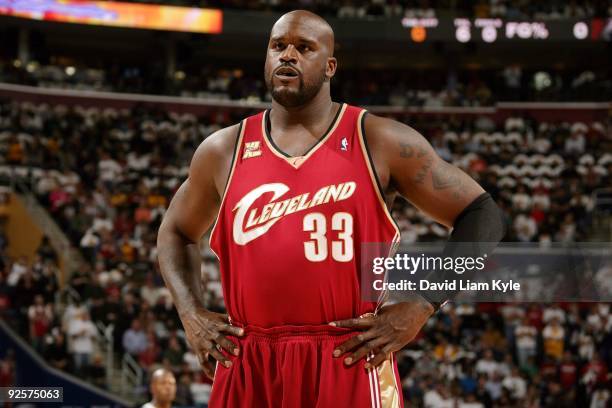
x,y
163,389
300,59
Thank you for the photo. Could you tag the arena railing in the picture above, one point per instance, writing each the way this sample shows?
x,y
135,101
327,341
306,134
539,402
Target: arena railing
x,y
602,212
71,257
131,377
33,371
576,111
106,347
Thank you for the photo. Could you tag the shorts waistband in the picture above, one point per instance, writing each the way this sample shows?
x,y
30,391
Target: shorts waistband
x,y
289,332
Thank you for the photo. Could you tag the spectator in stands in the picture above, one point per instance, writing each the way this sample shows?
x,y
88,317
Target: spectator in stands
x,y
56,352
97,372
19,268
525,228
600,398
40,316
8,369
150,354
163,389
438,397
554,336
174,353
470,401
594,373
515,384
576,143
526,341
183,390
553,311
149,292
487,364
493,386
568,371
5,299
200,390
135,339
82,334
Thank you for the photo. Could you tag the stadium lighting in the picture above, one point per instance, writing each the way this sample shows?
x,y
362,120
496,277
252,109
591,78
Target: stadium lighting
x,y
32,66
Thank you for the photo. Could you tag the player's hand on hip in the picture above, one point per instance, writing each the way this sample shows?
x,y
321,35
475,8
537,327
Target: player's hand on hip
x,y
206,332
388,331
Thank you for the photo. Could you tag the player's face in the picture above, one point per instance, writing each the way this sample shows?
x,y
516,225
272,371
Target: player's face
x,y
164,388
297,63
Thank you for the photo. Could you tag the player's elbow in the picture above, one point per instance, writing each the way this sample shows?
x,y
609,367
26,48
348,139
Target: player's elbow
x,y
163,231
481,221
169,233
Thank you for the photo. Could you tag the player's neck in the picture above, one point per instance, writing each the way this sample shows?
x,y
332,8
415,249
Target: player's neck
x,y
308,115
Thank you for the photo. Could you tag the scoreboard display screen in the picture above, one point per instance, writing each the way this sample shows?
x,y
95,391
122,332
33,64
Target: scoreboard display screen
x,y
491,30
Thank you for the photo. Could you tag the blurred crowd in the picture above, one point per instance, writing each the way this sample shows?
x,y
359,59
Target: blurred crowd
x,y
106,176
510,355
426,87
511,9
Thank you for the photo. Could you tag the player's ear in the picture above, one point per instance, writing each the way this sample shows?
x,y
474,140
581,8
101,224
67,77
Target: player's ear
x,y
330,70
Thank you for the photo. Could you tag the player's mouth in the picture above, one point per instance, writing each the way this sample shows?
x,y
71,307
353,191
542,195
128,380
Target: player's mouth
x,y
286,73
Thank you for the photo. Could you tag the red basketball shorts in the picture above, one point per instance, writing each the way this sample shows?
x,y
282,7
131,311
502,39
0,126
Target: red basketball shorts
x,y
293,367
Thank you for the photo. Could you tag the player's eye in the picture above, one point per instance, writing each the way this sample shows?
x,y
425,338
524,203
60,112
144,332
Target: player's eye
x,y
303,48
278,46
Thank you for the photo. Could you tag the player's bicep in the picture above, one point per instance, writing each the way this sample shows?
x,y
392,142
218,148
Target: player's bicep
x,y
192,209
436,187
195,204
433,185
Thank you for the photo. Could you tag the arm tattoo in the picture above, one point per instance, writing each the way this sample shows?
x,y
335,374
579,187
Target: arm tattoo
x,y
443,175
446,176
406,151
419,178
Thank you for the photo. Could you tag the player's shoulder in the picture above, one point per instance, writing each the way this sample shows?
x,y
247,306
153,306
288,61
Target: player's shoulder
x,y
221,141
380,130
217,147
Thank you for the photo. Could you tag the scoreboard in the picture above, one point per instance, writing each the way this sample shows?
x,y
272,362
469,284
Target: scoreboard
x,y
491,30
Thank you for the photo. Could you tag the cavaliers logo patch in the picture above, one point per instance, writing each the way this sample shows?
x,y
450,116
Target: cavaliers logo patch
x,y
251,149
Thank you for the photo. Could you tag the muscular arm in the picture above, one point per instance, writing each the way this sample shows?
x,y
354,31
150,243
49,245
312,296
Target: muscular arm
x,y
405,162
444,192
190,213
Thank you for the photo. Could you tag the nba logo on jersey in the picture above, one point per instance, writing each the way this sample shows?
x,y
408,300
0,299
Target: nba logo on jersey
x,y
344,144
251,149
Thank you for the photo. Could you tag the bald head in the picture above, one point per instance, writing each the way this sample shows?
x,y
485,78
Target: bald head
x,y
312,22
160,374
300,59
163,386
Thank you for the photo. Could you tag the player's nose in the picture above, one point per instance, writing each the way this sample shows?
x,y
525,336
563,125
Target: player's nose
x,y
289,55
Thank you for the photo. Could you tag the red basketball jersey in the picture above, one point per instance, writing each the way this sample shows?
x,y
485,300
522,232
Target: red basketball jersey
x,y
289,231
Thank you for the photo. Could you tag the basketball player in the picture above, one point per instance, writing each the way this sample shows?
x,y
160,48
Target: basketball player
x,y
163,389
295,190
